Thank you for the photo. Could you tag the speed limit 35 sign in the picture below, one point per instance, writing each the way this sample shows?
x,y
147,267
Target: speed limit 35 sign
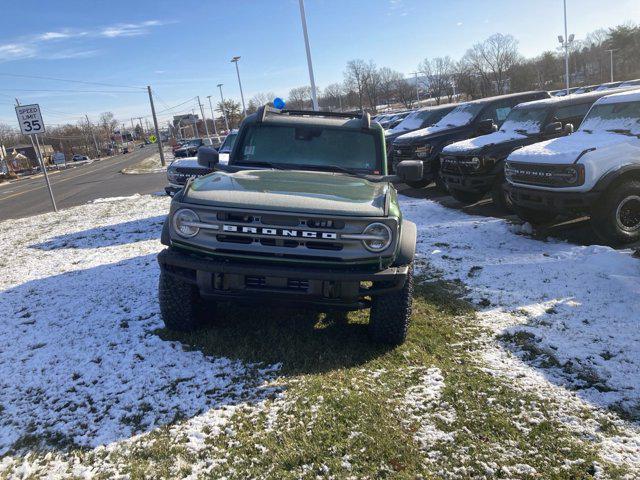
x,y
30,119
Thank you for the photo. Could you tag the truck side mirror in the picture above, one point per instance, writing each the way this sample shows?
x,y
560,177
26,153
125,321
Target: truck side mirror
x,y
207,157
553,128
569,128
487,126
410,170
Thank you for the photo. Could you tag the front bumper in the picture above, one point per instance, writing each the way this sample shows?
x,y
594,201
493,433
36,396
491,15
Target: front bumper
x,y
560,202
469,183
325,288
172,188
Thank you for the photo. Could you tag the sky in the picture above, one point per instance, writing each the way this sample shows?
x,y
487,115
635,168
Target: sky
x,y
183,48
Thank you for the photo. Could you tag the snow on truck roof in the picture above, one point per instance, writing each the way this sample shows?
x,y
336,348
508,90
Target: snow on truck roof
x,y
624,96
574,98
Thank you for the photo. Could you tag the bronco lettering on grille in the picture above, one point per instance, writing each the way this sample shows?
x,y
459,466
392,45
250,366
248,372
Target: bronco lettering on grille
x,y
279,232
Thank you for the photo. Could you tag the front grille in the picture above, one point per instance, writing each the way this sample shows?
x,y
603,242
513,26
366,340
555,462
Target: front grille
x,y
191,171
399,154
536,174
457,165
257,282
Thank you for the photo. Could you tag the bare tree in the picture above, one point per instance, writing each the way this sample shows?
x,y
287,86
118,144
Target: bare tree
x,y
332,96
438,73
389,83
492,60
405,91
299,97
355,79
372,84
260,99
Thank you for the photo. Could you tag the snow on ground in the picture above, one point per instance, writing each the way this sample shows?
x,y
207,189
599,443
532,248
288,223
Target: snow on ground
x,y
568,313
80,362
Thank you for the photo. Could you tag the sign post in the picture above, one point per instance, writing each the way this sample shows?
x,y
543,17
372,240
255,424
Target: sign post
x,y
31,123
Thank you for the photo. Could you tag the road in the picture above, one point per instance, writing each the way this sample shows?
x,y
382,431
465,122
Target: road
x,y
79,185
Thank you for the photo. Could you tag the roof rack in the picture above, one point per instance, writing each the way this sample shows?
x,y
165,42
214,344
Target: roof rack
x,y
266,109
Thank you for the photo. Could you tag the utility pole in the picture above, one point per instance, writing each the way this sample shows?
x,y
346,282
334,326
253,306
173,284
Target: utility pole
x,y
224,110
155,124
213,117
204,119
42,166
93,135
244,109
133,129
312,79
611,57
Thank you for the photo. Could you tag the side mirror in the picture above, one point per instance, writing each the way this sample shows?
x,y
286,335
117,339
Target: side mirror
x,y
487,126
410,170
553,128
207,157
569,129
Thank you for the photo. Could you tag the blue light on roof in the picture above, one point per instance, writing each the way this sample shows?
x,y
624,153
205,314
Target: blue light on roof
x,y
278,103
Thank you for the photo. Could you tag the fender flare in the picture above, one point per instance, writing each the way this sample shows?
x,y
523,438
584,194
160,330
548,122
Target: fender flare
x,y
406,244
165,238
605,182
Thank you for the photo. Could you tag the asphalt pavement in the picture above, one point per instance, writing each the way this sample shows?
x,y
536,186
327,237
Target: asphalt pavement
x,y
77,186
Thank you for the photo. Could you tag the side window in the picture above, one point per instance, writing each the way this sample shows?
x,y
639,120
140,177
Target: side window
x,y
571,114
499,110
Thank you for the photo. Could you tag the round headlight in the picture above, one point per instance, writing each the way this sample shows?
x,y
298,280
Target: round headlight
x,y
571,175
183,223
379,237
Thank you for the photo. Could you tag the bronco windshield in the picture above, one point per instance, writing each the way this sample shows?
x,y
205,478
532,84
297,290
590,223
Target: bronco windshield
x,y
621,117
461,115
525,120
309,147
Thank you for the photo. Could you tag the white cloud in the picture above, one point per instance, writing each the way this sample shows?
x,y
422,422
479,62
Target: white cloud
x,y
459,24
129,29
16,51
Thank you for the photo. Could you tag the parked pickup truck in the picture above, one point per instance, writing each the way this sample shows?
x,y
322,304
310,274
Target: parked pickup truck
x,y
467,120
303,214
595,171
475,167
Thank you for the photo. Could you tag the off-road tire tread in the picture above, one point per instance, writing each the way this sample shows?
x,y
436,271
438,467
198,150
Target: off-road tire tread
x,y
603,215
180,304
391,314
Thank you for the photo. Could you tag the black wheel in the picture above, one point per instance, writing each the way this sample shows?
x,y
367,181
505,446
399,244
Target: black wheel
x,y
441,185
534,217
181,306
465,197
390,314
616,218
500,196
418,183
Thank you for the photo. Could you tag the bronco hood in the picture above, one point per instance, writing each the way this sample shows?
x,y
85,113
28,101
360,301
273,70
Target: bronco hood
x,y
566,150
291,191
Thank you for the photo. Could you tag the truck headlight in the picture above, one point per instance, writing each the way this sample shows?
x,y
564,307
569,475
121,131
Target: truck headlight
x,y
172,175
423,151
185,223
379,237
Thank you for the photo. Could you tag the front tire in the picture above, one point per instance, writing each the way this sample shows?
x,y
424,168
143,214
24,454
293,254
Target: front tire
x,y
465,197
418,183
500,196
616,218
390,314
181,306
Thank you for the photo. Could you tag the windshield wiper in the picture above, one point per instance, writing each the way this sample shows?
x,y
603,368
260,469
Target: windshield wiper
x,y
622,131
521,131
277,166
330,168
587,130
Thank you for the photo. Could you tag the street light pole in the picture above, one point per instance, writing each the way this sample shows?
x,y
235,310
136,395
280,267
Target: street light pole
x,y
213,117
312,79
244,109
611,57
204,119
224,110
566,40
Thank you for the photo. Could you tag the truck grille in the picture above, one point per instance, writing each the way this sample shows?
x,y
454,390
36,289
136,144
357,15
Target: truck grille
x,y
256,282
457,165
536,174
399,154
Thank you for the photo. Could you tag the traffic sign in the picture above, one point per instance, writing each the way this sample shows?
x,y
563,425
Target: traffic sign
x,y
30,119
152,138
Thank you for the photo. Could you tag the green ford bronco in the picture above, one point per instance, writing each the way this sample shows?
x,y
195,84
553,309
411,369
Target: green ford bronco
x,y
303,214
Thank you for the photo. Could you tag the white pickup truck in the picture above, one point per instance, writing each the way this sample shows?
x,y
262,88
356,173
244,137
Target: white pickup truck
x,y
595,171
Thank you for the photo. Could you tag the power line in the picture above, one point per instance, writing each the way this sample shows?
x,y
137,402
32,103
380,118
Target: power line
x,y
40,77
61,90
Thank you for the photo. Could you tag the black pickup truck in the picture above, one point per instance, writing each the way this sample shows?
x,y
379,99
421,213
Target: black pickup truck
x,y
474,167
467,120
